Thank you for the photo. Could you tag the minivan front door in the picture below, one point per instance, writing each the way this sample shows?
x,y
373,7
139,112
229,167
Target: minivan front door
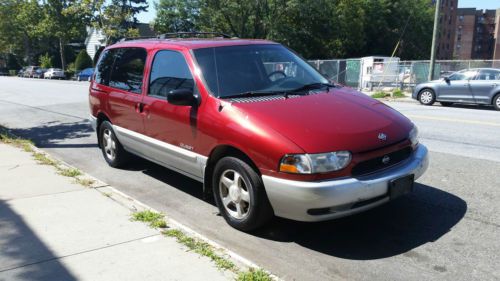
x,y
171,129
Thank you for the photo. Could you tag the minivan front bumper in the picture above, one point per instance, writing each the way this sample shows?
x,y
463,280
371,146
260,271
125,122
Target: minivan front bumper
x,y
342,197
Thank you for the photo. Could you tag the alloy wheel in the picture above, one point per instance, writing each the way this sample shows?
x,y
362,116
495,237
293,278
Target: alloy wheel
x,y
234,194
109,144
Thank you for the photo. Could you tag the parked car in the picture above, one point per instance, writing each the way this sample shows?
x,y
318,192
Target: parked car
x,y
263,142
31,71
85,75
473,86
39,73
54,73
21,72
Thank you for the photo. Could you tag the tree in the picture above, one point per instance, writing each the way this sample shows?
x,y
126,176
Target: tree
x,y
176,15
82,61
45,61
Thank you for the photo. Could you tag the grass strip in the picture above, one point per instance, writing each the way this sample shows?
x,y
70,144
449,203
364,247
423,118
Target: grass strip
x,y
155,220
254,275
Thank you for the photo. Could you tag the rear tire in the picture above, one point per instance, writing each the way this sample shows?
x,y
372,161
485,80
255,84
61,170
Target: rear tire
x,y
240,194
427,97
496,102
111,148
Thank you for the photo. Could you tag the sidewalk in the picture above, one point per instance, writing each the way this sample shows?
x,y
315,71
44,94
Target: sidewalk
x,y
54,229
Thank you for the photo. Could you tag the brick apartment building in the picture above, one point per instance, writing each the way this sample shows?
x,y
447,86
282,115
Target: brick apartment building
x,y
447,29
477,34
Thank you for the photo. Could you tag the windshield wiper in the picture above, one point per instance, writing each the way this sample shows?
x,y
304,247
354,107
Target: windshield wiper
x,y
312,86
252,94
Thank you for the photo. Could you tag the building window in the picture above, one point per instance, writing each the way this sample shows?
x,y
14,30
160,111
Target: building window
x,y
461,18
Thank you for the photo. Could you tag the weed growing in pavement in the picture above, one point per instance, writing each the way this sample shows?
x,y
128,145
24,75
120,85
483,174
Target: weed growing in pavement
x,y
85,182
69,172
43,159
254,275
397,93
201,248
8,138
155,220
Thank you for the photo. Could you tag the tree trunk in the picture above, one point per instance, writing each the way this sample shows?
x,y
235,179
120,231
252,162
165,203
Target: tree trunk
x,y
27,49
61,50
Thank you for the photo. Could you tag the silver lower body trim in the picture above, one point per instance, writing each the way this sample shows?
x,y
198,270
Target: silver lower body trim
x,y
292,199
170,156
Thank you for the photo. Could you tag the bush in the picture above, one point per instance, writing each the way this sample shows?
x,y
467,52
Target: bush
x,y
45,61
12,62
379,95
12,72
397,93
82,61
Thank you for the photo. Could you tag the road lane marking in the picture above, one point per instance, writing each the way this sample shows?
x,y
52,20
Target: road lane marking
x,y
454,120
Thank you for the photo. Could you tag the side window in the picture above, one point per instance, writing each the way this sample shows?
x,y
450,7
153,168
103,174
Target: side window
x,y
104,65
128,70
488,74
169,72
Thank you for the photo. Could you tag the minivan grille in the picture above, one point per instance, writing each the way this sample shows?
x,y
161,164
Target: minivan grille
x,y
377,164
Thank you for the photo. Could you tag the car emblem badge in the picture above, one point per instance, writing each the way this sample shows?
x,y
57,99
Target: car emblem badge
x,y
386,159
382,136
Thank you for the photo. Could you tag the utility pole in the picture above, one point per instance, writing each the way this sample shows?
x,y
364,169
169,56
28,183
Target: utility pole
x,y
434,39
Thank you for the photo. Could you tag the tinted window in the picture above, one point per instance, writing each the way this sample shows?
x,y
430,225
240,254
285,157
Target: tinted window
x,y
169,72
103,68
128,70
488,74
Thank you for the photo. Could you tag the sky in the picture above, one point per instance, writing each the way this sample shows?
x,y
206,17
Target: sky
x,y
478,4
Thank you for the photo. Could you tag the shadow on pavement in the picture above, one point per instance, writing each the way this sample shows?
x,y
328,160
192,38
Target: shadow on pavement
x,y
53,135
23,255
389,230
471,106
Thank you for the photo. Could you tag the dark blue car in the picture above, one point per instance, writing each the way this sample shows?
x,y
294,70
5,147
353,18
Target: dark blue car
x,y
85,75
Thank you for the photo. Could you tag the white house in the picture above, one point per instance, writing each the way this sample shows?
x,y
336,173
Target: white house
x,y
96,39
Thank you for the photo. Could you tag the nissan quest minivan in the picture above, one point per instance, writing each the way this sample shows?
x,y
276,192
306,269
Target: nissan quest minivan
x,y
264,132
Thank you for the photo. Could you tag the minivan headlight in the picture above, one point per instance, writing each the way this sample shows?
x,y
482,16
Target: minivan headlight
x,y
315,163
413,136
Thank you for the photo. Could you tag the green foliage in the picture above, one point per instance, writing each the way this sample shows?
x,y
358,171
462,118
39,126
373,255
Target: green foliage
x,y
254,275
397,93
320,29
12,62
45,61
82,61
155,220
379,95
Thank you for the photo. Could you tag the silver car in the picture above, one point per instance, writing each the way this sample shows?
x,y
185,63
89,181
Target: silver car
x,y
477,86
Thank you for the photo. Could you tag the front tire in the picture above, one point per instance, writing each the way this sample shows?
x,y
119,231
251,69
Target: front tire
x,y
240,194
427,97
496,102
112,150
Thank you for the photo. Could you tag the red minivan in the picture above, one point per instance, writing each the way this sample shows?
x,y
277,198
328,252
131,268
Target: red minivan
x,y
256,124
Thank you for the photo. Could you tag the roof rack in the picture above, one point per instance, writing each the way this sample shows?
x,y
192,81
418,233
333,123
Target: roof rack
x,y
191,34
136,38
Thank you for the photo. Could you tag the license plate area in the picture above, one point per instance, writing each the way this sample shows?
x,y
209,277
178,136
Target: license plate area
x,y
401,186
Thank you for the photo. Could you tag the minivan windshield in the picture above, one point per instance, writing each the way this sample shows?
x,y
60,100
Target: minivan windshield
x,y
232,71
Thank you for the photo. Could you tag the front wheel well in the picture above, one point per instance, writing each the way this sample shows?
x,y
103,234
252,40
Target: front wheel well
x,y
218,153
423,89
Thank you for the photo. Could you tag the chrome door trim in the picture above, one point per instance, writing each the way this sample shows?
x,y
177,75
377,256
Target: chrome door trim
x,y
170,156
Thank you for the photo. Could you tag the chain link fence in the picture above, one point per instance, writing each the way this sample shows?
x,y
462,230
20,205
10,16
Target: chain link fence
x,y
404,75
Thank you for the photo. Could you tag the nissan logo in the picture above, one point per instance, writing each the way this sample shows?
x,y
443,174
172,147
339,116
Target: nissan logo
x,y
386,159
382,136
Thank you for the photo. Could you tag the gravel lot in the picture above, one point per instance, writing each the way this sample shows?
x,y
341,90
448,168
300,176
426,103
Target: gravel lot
x,y
448,229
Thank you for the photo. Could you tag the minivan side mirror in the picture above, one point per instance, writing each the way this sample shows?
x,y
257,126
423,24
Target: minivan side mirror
x,y
184,97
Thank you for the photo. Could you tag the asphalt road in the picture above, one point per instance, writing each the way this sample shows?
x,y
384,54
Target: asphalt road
x,y
448,229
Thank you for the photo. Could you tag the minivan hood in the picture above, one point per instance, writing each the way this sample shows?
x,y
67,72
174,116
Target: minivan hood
x,y
341,119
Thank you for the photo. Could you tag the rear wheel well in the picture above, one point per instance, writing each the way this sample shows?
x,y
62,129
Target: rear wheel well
x,y
494,97
101,117
217,154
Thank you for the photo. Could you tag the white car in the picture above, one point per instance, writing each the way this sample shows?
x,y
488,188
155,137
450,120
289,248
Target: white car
x,y
52,73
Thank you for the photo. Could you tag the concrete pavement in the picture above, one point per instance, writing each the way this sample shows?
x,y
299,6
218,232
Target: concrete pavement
x,y
54,229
